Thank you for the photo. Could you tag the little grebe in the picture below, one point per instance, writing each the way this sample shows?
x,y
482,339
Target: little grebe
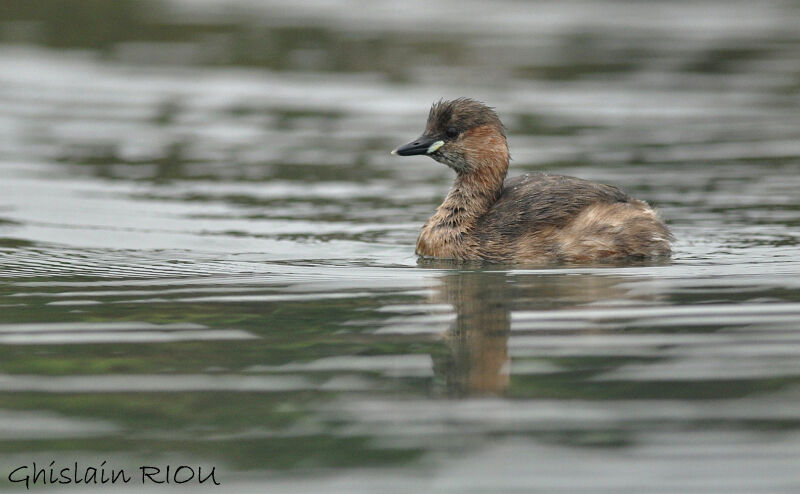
x,y
537,217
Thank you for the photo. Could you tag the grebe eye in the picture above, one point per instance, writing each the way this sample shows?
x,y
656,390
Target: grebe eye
x,y
451,133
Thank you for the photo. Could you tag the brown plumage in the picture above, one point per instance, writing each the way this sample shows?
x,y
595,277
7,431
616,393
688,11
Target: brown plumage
x,y
537,217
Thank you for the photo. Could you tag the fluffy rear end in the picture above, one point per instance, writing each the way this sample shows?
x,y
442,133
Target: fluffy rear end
x,y
613,231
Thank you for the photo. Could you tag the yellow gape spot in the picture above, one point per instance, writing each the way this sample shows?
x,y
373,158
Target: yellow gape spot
x,y
436,145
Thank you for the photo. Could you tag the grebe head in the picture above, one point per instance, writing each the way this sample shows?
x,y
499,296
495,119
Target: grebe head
x,y
464,134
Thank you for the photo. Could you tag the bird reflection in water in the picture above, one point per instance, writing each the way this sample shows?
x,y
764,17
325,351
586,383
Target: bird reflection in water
x,y
476,361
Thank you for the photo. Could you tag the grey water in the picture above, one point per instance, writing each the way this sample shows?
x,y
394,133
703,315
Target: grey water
x,y
207,252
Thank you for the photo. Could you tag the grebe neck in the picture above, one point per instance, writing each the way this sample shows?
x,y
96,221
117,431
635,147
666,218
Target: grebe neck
x,y
473,193
478,185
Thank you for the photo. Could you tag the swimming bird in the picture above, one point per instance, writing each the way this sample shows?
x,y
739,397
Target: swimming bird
x,y
533,218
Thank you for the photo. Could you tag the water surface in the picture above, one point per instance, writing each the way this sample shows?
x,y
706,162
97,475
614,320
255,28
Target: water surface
x,y
206,251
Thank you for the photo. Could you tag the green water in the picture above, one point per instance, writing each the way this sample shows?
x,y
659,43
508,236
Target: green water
x,y
206,250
